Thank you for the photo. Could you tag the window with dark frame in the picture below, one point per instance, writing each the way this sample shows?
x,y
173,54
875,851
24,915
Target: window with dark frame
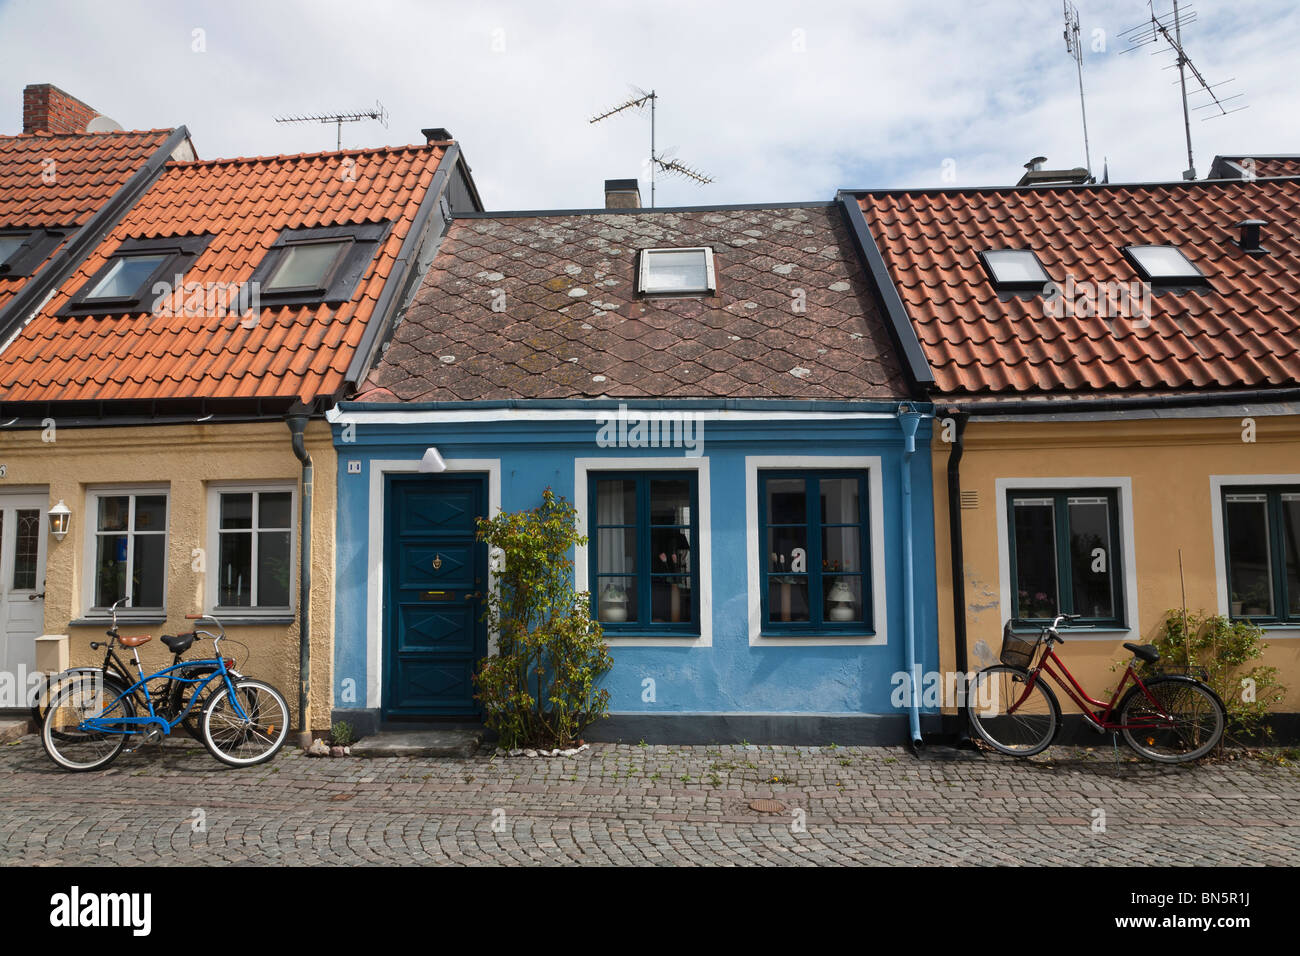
x,y
22,251
130,538
814,538
643,551
1065,549
125,283
254,549
1261,535
317,264
1014,269
1163,264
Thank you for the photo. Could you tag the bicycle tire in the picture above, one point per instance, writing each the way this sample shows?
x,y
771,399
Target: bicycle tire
x,y
1029,731
44,692
1200,719
113,687
84,750
239,743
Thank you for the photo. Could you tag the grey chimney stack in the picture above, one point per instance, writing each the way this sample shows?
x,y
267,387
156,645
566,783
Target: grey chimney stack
x,y
622,194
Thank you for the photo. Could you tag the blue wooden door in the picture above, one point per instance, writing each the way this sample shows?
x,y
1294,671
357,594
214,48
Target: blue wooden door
x,y
434,575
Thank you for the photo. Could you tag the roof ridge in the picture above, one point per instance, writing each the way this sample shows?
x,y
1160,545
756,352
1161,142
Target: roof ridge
x,y
283,157
44,134
1052,187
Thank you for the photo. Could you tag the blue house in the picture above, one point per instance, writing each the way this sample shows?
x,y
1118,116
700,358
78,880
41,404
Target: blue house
x,y
722,395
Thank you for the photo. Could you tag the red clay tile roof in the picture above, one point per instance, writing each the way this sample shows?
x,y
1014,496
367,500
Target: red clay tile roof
x,y
292,351
1242,330
573,326
63,180
1233,167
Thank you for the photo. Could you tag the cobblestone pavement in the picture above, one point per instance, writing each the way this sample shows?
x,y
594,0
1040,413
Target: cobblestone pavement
x,y
648,805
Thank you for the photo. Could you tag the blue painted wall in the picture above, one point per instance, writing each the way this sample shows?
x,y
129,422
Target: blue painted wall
x,y
730,676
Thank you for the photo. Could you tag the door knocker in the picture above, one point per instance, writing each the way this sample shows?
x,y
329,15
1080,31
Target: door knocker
x,y
437,561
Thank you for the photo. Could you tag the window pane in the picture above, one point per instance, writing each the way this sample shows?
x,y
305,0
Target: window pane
x,y
237,511
110,569
1250,572
1164,262
26,543
787,598
842,598
1035,544
787,550
150,557
8,246
1091,557
1291,547
670,501
306,265
787,501
676,271
275,509
151,513
114,513
670,551
273,566
670,599
839,500
616,599
615,502
126,276
1015,265
235,570
841,549
616,550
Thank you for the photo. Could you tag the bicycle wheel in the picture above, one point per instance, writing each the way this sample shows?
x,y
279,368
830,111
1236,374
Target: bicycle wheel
x,y
254,737
1185,722
51,683
1009,715
61,735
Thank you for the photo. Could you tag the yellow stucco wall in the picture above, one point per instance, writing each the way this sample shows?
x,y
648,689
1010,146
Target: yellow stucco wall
x,y
1169,462
187,459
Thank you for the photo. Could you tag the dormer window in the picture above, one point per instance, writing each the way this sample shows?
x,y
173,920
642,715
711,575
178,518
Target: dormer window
x,y
125,283
307,265
1014,269
23,250
677,272
1163,264
317,264
8,246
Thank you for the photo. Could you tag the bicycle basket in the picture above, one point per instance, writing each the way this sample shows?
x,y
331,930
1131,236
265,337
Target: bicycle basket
x,y
1018,651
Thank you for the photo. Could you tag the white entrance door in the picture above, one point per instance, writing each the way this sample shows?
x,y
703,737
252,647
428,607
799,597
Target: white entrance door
x,y
22,581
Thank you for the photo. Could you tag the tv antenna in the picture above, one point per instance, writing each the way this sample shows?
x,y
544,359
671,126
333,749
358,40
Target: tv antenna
x,y
662,162
338,119
1075,49
1169,30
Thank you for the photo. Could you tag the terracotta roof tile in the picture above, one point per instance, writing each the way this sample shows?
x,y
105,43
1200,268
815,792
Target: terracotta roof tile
x,y
293,351
572,313
1242,329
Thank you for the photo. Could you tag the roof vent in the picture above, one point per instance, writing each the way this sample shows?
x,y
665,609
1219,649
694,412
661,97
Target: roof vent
x,y
437,134
1035,164
1250,231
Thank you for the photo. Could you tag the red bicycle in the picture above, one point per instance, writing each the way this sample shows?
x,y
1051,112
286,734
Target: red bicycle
x,y
1170,718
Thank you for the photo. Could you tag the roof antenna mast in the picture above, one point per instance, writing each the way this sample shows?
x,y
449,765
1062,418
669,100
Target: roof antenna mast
x,y
1169,29
658,161
1075,49
338,119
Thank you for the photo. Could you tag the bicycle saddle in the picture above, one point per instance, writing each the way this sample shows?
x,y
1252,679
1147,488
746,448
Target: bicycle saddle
x,y
178,643
1147,652
135,641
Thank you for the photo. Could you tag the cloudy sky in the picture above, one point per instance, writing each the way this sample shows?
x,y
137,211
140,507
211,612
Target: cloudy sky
x,y
778,101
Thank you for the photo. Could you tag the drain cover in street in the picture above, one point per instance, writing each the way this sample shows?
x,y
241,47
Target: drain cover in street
x,y
766,806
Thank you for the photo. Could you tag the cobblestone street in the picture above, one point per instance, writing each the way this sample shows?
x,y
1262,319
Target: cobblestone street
x,y
631,804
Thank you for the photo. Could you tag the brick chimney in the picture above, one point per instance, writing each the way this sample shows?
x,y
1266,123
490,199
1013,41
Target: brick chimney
x,y
47,109
622,194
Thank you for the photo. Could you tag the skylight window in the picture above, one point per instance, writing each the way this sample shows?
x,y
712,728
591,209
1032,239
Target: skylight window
x,y
307,266
9,245
1014,269
126,281
1163,264
677,271
126,275
22,251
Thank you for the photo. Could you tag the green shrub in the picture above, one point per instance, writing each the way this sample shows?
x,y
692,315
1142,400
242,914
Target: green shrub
x,y
1223,649
341,734
540,689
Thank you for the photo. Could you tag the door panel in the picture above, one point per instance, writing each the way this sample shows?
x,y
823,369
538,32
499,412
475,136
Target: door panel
x,y
22,580
435,570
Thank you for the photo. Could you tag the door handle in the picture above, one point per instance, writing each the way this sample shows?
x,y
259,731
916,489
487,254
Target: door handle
x,y
33,597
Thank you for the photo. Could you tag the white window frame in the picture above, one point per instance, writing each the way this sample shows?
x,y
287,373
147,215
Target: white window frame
x,y
988,255
1218,485
871,464
211,588
646,287
1134,254
1123,488
91,524
581,576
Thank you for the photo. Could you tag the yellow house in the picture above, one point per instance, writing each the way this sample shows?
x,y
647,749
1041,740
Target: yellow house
x,y
163,392
1115,370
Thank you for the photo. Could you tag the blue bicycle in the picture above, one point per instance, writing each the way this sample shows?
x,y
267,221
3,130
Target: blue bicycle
x,y
241,720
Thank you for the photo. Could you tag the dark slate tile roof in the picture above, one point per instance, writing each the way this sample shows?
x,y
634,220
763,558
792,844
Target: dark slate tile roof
x,y
571,324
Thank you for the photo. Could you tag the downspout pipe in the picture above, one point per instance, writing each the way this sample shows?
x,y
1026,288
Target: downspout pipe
x,y
957,560
297,427
909,419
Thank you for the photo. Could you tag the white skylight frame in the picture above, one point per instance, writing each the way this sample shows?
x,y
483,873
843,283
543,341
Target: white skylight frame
x,y
1138,256
646,284
1001,280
